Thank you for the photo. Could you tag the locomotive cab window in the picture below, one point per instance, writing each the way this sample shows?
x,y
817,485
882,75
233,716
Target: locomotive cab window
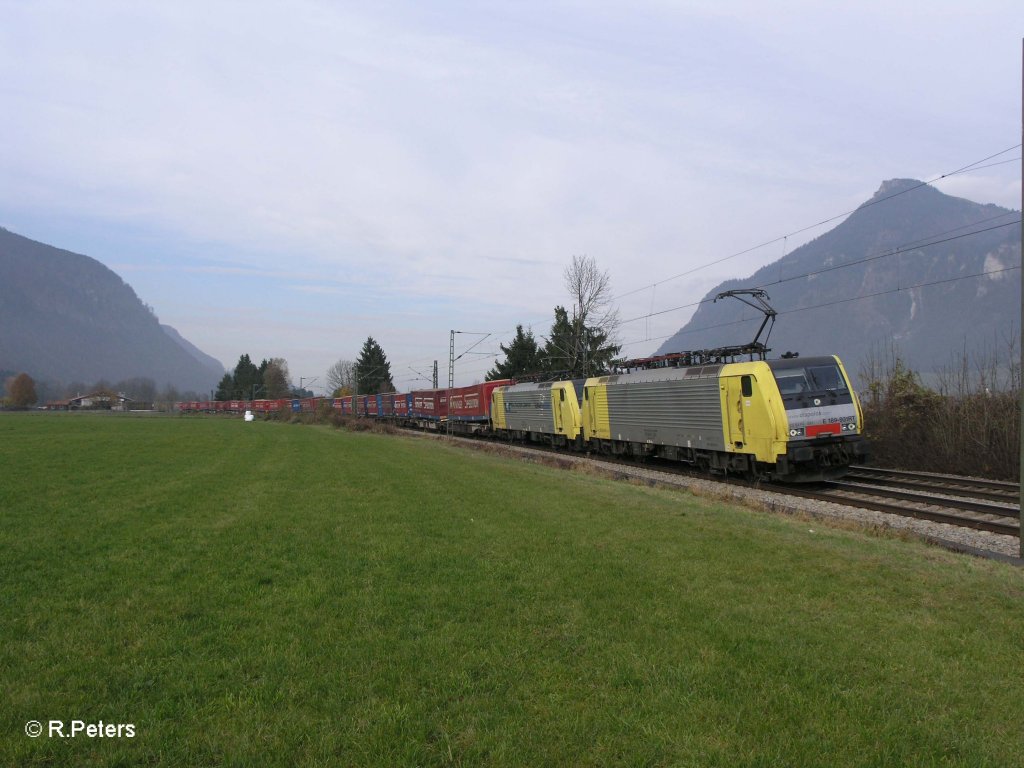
x,y
811,378
747,386
826,377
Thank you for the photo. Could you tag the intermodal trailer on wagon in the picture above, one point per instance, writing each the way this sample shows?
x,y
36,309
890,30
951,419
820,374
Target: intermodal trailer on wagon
x,y
401,405
473,403
266,406
430,405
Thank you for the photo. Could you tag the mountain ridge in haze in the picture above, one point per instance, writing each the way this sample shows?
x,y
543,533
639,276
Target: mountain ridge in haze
x,y
66,317
896,272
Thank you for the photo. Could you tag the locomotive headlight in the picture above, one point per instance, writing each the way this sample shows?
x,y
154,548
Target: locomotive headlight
x,y
798,432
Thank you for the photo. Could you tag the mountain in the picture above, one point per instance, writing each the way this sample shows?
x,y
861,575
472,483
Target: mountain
x,y
212,364
66,317
899,271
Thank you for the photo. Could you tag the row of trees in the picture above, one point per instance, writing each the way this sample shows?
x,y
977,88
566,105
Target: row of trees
x,y
582,341
269,380
22,391
369,375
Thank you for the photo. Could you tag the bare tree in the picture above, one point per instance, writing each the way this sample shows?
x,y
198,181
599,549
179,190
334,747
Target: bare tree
x,y
594,325
276,379
341,377
591,293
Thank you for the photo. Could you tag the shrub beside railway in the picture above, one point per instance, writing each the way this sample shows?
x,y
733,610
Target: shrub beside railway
x,y
968,424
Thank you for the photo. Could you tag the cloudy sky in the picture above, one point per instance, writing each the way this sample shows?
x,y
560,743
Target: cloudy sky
x,y
286,179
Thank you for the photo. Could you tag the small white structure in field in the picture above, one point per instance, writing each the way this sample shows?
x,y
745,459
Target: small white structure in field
x,y
249,416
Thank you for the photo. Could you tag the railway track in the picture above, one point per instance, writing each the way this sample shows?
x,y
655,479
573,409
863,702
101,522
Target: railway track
x,y
949,485
967,502
984,505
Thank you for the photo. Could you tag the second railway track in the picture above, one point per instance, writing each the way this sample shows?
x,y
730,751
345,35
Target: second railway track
x,y
948,485
955,501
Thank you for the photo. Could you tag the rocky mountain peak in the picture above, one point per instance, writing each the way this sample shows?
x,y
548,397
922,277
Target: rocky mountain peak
x,y
913,271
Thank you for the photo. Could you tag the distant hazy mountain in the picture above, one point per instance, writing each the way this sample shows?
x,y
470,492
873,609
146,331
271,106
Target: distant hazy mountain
x,y
65,317
914,299
212,364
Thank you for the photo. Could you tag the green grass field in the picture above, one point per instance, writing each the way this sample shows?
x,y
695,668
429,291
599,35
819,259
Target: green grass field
x,y
271,594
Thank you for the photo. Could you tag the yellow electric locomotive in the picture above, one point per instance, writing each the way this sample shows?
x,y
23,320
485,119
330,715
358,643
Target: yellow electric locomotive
x,y
793,419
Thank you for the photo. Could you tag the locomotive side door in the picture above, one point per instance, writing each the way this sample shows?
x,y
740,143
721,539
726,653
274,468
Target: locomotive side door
x,y
734,399
751,425
557,399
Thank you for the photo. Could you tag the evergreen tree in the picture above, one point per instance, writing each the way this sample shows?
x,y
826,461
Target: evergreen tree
x,y
599,352
559,354
373,371
226,388
522,357
247,378
576,350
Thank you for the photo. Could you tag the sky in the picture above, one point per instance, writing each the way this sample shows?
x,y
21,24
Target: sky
x,y
287,179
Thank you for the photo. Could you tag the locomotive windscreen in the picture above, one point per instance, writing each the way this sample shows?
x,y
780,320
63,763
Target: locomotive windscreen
x,y
817,376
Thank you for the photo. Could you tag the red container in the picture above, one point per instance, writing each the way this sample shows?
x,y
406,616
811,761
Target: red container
x,y
473,403
430,404
401,405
